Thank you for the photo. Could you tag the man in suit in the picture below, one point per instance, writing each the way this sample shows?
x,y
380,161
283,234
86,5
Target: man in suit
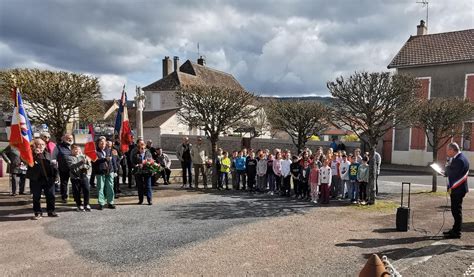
x,y
457,172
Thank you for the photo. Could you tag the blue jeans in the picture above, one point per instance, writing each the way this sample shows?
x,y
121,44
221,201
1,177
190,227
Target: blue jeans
x,y
241,175
224,178
353,190
144,184
271,181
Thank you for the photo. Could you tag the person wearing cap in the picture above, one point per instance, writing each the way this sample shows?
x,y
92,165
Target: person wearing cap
x,y
50,145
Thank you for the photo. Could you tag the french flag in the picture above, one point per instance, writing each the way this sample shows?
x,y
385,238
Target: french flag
x,y
122,125
89,148
20,130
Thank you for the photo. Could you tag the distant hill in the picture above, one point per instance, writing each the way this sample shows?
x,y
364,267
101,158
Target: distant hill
x,y
322,99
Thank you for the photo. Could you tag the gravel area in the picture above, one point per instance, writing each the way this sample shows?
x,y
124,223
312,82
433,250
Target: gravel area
x,y
224,233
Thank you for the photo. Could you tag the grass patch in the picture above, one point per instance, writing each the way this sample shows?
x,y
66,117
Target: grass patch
x,y
379,206
430,193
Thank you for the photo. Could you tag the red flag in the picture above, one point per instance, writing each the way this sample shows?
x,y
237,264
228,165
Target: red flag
x,y
125,133
89,148
20,130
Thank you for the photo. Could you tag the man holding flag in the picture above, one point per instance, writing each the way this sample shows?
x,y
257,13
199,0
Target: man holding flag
x,y
124,133
40,168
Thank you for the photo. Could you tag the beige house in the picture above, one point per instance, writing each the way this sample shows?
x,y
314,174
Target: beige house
x,y
160,114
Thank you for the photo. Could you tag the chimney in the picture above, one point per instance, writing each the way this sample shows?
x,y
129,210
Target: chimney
x,y
421,29
201,61
167,66
176,63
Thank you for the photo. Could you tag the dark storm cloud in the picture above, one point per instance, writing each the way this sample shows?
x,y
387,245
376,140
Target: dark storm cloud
x,y
272,47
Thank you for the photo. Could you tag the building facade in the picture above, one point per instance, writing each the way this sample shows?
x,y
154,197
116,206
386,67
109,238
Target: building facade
x,y
444,65
160,115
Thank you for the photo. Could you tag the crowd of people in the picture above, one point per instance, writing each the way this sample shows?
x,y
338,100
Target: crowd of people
x,y
315,177
58,167
308,176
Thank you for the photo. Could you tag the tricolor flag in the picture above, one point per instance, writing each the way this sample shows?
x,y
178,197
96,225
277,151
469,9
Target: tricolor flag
x,y
89,148
122,126
20,130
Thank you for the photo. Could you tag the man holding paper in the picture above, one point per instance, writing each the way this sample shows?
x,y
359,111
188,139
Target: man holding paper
x,y
457,172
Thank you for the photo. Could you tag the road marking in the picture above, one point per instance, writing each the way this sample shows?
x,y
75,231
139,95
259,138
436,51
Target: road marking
x,y
421,256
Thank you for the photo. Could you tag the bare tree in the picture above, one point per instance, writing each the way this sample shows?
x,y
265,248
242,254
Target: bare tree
x,y
214,110
54,98
441,119
370,104
299,119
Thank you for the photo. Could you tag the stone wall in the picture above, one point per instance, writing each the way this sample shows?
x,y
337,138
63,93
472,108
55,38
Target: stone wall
x,y
170,142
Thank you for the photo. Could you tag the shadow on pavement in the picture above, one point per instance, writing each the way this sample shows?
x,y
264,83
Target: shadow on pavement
x,y
241,205
402,252
372,243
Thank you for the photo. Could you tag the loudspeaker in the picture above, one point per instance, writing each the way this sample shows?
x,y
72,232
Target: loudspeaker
x,y
403,219
403,213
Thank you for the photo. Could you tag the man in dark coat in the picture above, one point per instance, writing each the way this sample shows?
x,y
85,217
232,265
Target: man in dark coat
x,y
63,150
16,168
41,176
457,172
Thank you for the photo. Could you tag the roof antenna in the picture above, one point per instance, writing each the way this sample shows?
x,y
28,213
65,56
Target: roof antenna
x,y
198,50
425,4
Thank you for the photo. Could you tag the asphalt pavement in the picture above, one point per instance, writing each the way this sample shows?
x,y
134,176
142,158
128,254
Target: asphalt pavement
x,y
153,232
391,181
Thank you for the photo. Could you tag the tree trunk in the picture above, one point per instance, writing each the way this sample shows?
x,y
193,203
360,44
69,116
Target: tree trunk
x,y
434,184
58,133
214,159
372,173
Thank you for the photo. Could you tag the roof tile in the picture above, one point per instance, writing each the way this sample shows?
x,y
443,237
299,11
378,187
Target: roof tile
x,y
450,47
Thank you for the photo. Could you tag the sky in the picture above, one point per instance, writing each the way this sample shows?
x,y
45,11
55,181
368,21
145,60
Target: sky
x,y
273,48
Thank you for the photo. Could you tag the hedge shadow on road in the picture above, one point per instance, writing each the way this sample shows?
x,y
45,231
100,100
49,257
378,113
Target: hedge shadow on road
x,y
241,206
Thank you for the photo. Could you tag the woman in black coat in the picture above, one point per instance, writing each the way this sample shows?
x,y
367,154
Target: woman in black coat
x,y
142,176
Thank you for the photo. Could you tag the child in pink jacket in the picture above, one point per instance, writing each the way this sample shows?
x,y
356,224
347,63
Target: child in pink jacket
x,y
314,182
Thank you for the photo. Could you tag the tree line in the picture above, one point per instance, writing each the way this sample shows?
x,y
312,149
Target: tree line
x,y
368,104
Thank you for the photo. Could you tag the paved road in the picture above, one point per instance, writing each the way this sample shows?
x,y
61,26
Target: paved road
x,y
160,229
390,181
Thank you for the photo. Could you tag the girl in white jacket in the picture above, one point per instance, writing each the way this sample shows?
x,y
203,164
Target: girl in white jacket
x,y
325,178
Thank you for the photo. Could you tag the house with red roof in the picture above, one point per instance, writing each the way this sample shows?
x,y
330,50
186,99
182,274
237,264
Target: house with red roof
x,y
444,65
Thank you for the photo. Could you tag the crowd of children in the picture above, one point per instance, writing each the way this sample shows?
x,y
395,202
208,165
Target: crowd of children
x,y
315,177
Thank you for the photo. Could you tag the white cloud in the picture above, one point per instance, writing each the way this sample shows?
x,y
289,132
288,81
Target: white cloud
x,y
272,47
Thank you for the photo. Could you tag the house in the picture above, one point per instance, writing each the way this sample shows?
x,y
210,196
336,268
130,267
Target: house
x,y
444,64
160,113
